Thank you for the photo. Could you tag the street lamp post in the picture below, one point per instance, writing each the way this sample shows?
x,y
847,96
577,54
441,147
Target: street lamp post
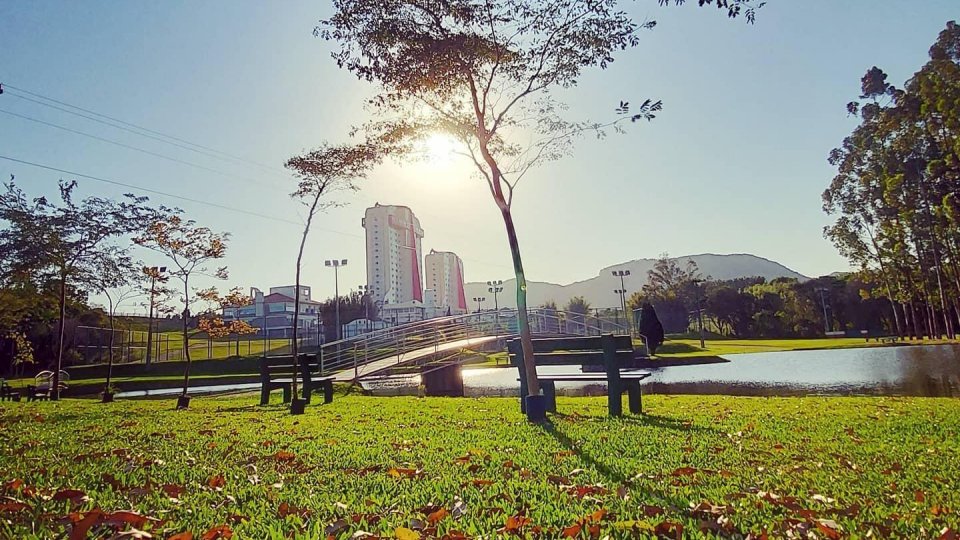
x,y
823,303
496,288
155,273
365,290
696,296
623,303
336,264
622,291
479,300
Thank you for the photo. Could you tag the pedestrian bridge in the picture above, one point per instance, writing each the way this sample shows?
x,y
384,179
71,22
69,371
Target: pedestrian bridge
x,y
443,339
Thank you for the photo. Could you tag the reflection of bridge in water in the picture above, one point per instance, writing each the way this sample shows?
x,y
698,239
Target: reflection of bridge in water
x,y
434,343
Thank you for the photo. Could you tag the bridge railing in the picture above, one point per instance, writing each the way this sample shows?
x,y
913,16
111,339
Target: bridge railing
x,y
418,337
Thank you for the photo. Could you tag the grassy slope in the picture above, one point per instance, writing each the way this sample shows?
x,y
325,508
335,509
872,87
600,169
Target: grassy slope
x,y
881,464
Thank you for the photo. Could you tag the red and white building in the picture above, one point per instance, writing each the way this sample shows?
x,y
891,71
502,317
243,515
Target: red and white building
x,y
444,277
394,274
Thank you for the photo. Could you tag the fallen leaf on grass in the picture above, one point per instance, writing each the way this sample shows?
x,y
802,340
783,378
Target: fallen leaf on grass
x,y
515,524
218,532
172,490
478,482
216,481
75,496
706,509
124,517
186,535
398,472
332,529
435,517
829,528
684,471
286,509
283,456
669,529
403,533
584,491
652,511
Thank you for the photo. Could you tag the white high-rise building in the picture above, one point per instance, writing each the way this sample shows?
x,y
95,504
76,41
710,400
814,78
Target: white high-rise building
x,y
393,254
444,276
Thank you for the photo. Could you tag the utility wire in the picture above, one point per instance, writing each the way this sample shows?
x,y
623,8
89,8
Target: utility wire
x,y
205,150
148,130
137,149
129,130
155,192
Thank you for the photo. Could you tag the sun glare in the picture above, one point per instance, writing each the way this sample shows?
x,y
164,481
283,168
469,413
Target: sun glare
x,y
439,148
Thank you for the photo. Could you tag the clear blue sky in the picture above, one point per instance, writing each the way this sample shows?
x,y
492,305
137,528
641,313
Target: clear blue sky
x,y
734,164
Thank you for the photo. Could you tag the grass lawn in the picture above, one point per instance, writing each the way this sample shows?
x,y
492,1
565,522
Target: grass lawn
x,y
455,468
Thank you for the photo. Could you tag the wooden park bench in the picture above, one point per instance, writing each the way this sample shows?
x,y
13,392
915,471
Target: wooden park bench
x,y
613,354
276,373
43,389
7,393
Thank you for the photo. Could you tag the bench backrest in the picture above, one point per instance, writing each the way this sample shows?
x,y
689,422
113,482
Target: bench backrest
x,y
607,350
275,367
574,351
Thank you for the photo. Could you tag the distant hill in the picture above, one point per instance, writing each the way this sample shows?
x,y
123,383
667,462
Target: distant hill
x,y
598,290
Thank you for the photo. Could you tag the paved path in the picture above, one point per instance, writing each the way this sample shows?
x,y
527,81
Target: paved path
x,y
367,370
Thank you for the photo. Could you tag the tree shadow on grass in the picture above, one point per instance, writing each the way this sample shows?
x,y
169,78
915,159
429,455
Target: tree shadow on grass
x,y
668,422
612,475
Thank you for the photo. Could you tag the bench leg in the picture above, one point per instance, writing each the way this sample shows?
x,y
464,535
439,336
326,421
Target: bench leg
x,y
286,393
306,392
264,395
328,391
634,397
550,393
615,398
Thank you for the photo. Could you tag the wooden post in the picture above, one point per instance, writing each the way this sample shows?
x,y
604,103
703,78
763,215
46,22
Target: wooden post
x,y
614,387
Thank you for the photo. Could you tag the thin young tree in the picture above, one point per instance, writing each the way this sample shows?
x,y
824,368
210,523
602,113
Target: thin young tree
x,y
117,278
321,175
189,248
64,241
484,73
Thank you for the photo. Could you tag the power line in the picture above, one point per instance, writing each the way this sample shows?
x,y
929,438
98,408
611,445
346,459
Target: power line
x,y
129,130
137,149
153,191
148,130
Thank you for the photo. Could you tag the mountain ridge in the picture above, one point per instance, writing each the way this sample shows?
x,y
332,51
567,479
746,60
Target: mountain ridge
x,y
598,290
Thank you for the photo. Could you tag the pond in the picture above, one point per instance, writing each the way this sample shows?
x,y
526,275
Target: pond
x,y
909,371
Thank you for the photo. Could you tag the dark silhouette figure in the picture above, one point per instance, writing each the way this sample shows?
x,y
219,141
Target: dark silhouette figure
x,y
649,328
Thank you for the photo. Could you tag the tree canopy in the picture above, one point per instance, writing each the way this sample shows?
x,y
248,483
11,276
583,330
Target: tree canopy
x,y
895,195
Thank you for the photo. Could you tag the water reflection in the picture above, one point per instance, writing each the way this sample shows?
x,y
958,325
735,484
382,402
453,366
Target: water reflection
x,y
912,371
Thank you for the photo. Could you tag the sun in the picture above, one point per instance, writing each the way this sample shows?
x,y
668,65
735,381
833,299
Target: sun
x,y
439,148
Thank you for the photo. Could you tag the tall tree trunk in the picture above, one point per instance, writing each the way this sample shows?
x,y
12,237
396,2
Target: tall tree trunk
x,y
296,297
106,387
526,339
186,336
55,391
